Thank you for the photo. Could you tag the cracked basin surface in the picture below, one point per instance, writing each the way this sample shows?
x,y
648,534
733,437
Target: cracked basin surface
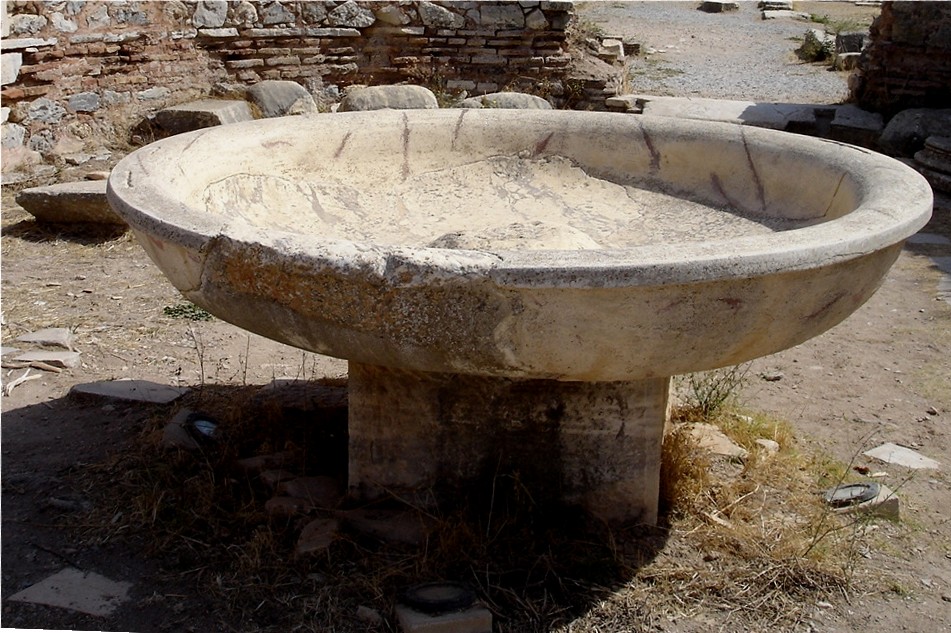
x,y
525,244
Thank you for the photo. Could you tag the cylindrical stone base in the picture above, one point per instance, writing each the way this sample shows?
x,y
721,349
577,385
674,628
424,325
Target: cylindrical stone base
x,y
425,435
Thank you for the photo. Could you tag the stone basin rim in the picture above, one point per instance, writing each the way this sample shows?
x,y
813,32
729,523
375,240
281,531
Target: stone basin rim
x,y
894,203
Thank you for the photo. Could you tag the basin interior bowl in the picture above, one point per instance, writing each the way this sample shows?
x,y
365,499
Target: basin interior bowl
x,y
448,240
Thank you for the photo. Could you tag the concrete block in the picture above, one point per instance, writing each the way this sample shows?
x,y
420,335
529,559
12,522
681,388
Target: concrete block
x,y
476,619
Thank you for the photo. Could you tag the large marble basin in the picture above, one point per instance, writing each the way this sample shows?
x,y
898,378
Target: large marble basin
x,y
476,256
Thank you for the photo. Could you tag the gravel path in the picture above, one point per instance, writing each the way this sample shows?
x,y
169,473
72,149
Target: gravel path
x,y
735,55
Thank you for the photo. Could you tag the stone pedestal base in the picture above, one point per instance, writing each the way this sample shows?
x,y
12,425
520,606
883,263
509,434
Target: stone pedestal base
x,y
426,435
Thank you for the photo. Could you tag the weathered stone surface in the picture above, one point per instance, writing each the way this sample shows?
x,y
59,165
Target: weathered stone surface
x,y
12,135
320,492
246,15
352,15
83,102
906,132
392,15
283,506
201,114
895,454
50,337
10,64
317,536
63,24
129,390
280,98
397,526
174,436
77,590
847,61
276,13
271,478
313,12
27,23
13,44
507,100
63,359
45,111
852,124
501,16
393,97
150,94
83,201
712,439
210,14
850,41
718,6
776,15
468,380
439,17
270,461
535,20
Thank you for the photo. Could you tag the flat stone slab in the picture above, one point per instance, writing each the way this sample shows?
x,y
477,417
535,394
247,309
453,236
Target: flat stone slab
x,y
54,337
201,114
903,456
69,202
783,13
86,592
56,359
776,116
130,390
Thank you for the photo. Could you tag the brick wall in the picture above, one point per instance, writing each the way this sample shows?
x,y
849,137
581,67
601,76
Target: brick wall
x,y
80,70
908,61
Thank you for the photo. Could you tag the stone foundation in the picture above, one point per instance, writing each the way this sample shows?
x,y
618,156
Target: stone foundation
x,y
427,436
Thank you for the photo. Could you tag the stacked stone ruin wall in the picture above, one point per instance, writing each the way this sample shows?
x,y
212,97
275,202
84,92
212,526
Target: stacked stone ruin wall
x,y
73,69
907,63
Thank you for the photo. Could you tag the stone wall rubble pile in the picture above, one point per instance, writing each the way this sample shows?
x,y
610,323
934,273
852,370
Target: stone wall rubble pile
x,y
76,71
907,63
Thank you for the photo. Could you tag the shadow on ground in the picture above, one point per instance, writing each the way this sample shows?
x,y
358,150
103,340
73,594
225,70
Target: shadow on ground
x,y
86,485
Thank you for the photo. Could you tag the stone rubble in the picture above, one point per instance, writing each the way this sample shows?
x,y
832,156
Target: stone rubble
x,y
70,202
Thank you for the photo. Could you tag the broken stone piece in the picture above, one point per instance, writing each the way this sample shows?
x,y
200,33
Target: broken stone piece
x,y
507,101
54,337
403,97
260,463
322,492
56,359
174,435
130,390
770,446
70,202
287,506
317,536
271,478
399,526
718,6
281,98
83,591
901,455
712,439
201,114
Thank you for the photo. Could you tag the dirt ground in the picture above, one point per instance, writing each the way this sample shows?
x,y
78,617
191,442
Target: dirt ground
x,y
883,375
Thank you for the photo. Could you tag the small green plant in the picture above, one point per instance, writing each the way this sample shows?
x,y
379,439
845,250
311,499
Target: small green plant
x,y
187,310
708,392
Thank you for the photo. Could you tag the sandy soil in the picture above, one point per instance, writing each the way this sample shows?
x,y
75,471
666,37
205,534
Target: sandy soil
x,y
882,375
